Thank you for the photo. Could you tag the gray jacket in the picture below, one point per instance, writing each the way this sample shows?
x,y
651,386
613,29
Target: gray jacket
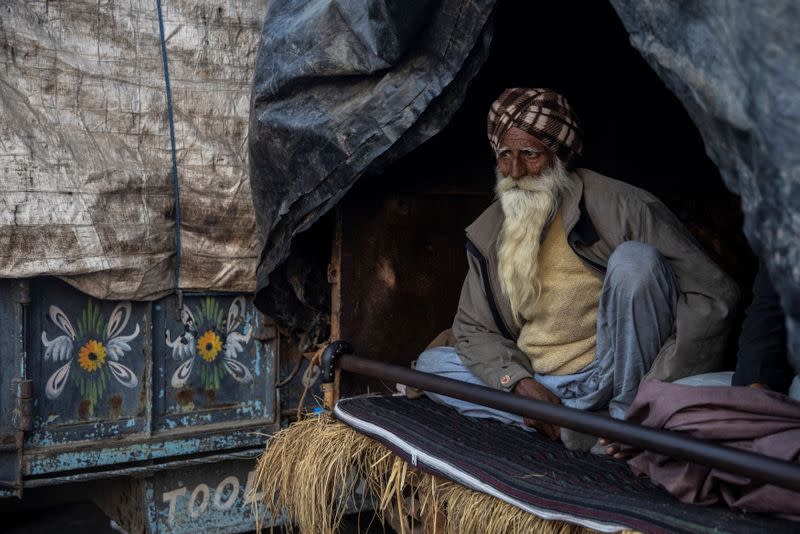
x,y
599,214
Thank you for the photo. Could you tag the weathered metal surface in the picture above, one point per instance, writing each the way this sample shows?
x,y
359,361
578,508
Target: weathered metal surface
x,y
195,380
213,498
91,362
116,383
15,387
22,418
110,456
85,166
146,469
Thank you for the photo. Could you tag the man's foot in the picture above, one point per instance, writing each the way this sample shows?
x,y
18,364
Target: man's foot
x,y
577,441
599,448
617,450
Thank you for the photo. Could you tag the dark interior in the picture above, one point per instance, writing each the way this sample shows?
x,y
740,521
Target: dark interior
x,y
402,234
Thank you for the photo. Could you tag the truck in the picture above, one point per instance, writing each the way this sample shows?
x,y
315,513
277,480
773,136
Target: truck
x,y
198,195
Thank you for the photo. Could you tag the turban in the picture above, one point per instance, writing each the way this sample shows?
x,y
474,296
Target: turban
x,y
544,114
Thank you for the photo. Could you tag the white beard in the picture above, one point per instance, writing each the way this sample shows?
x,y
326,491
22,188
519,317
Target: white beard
x,y
528,205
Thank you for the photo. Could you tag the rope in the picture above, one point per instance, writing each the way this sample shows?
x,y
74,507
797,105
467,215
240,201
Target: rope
x,y
314,362
175,185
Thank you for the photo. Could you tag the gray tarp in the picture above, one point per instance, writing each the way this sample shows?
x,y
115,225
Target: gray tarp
x,y
85,163
341,86
736,68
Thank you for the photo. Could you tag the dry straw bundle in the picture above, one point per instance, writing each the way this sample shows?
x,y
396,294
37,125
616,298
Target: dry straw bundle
x,y
313,468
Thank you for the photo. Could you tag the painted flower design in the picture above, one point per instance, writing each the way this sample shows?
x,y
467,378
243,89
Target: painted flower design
x,y
211,344
100,345
92,356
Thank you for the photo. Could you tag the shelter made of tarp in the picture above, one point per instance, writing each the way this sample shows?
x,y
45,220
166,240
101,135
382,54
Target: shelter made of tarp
x,y
341,87
85,157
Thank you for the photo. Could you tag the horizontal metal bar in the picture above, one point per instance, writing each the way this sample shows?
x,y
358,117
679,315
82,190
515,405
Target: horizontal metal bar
x,y
757,466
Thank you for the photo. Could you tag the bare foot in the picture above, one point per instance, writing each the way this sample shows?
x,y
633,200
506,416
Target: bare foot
x,y
617,450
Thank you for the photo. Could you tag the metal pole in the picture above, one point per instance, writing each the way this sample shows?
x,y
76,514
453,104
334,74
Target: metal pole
x,y
759,467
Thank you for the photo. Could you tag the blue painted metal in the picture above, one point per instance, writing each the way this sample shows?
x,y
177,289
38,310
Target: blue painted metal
x,y
146,469
197,401
92,404
45,461
219,497
13,370
123,388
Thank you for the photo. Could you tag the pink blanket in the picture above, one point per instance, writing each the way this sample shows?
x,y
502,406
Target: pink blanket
x,y
755,420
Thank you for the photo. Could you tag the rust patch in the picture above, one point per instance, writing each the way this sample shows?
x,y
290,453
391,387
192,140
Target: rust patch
x,y
85,410
115,403
185,396
142,402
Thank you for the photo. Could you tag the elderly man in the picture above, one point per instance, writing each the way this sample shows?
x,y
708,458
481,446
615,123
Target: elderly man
x,y
579,286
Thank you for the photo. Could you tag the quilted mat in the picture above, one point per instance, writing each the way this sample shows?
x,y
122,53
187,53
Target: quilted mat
x,y
533,473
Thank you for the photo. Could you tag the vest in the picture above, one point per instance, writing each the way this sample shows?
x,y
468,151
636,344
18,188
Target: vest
x,y
560,337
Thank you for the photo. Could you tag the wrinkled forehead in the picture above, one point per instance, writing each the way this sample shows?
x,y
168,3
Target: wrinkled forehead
x,y
515,138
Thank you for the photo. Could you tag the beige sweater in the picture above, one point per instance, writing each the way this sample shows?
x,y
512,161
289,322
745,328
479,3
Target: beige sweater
x,y
560,338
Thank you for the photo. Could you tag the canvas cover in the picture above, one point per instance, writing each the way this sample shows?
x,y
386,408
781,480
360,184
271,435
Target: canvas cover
x,y
85,159
341,88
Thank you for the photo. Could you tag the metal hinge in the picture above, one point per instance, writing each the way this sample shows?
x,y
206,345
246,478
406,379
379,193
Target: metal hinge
x,y
12,450
22,418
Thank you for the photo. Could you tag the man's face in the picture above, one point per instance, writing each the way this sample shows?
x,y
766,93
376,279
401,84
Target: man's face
x,y
520,154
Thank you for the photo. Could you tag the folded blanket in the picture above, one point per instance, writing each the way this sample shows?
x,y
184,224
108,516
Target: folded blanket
x,y
751,419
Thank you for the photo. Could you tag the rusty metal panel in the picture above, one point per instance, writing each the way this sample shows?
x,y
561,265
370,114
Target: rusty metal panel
x,y
219,497
90,361
115,383
402,267
209,368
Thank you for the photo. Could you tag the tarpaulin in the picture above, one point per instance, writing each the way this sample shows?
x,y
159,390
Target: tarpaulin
x,y
736,69
85,158
341,87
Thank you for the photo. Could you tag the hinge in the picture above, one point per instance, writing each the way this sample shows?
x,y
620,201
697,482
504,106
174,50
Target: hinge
x,y
22,418
22,414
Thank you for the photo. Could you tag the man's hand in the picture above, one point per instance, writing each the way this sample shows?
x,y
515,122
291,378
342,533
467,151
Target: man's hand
x,y
528,387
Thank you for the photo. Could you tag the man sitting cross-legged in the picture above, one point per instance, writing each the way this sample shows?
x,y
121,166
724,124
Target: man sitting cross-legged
x,y
579,286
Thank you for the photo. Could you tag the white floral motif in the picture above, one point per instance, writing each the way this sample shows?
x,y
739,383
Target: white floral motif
x,y
188,345
62,348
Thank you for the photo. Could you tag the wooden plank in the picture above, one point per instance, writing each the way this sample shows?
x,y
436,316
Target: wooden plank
x,y
400,272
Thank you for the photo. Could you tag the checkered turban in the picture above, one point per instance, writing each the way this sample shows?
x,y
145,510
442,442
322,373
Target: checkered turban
x,y
544,114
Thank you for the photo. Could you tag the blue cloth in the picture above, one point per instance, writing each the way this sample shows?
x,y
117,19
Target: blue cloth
x,y
444,361
636,315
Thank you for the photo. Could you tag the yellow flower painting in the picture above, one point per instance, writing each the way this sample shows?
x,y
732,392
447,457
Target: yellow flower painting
x,y
92,356
211,343
209,346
